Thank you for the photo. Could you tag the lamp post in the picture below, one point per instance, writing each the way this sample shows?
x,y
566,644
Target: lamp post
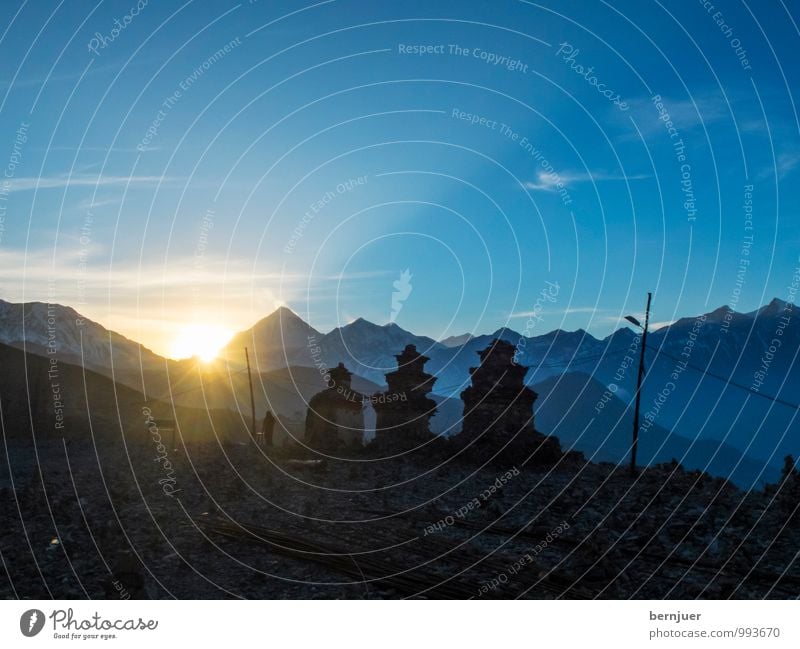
x,y
640,377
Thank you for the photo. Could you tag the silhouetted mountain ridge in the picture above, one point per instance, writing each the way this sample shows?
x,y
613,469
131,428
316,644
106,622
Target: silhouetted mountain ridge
x,y
702,404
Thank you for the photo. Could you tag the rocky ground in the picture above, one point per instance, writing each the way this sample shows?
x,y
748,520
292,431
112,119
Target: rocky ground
x,y
214,522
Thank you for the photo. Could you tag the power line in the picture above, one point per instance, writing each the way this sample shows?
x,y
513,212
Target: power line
x,y
728,381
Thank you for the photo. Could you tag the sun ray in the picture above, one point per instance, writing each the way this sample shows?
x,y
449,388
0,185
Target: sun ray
x,y
203,341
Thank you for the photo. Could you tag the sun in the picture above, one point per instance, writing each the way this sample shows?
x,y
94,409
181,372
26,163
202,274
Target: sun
x,y
200,340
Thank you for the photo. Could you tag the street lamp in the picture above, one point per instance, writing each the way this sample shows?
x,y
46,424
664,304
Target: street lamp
x,y
643,327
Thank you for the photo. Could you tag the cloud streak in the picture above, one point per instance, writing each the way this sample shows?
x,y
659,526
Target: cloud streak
x,y
61,182
150,301
549,182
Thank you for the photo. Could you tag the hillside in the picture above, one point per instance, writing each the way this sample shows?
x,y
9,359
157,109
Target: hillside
x,y
45,401
53,328
566,409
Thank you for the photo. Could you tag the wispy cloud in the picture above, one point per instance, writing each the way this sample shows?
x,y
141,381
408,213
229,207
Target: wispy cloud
x,y
91,69
572,310
544,182
661,325
89,204
100,149
149,301
176,273
787,162
583,309
685,114
62,181
549,182
783,165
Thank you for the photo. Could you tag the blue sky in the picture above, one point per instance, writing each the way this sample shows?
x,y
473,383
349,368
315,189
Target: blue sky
x,y
163,178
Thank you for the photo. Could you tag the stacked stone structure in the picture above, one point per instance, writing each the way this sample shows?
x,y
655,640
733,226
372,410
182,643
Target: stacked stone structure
x,y
404,409
498,409
335,418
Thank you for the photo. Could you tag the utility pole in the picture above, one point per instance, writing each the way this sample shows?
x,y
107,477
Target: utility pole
x,y
635,445
252,401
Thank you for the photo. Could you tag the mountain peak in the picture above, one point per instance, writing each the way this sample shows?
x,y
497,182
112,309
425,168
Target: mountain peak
x,y
284,317
776,304
281,329
364,325
720,314
361,323
284,312
503,332
775,307
575,336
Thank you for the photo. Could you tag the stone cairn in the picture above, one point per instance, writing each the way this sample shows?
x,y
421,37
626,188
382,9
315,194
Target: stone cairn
x,y
335,417
404,409
498,410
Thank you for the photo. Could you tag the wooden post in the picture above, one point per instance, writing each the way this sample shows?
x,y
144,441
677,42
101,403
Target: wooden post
x,y
252,400
635,445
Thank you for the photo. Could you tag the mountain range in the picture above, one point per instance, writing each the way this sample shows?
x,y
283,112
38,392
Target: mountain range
x,y
706,400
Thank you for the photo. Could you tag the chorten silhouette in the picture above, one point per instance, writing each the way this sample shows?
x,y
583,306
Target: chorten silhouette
x,y
404,409
335,417
498,409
